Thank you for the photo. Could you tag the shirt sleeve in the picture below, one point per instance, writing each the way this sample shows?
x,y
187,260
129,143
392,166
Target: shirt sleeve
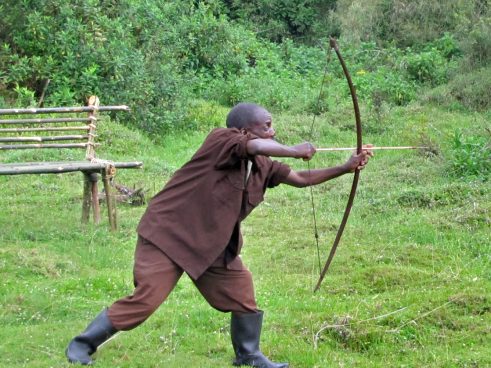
x,y
279,171
231,146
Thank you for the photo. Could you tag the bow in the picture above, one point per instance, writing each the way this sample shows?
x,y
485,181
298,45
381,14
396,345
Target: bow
x,y
334,45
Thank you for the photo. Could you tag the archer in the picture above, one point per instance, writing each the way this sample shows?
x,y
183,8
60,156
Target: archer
x,y
193,226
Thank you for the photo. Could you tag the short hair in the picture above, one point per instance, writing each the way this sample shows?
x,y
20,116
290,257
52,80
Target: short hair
x,y
243,115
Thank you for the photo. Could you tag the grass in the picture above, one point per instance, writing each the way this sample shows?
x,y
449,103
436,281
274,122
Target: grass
x,y
409,286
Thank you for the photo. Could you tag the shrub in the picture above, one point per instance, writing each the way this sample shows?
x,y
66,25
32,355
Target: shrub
x,y
143,54
384,85
478,43
473,90
426,67
471,156
276,20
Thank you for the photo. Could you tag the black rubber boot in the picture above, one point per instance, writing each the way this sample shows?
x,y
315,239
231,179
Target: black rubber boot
x,y
245,331
84,345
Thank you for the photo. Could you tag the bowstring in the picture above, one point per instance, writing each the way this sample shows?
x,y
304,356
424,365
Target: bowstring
x,y
311,133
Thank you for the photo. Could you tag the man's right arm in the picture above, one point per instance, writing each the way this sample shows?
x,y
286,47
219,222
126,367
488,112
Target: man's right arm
x,y
269,147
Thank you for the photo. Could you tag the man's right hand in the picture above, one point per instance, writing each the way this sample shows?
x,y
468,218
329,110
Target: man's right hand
x,y
304,151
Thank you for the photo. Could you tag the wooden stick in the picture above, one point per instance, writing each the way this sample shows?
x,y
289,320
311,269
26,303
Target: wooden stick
x,y
371,148
94,191
86,201
61,167
90,151
107,174
48,129
42,145
47,120
44,138
56,110
45,87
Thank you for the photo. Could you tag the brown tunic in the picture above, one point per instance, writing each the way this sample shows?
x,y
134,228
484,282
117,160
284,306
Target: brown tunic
x,y
197,215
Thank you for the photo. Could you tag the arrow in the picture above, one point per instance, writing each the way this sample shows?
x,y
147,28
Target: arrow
x,y
370,149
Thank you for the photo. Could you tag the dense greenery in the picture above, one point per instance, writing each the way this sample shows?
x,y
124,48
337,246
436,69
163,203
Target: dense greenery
x,y
410,285
160,57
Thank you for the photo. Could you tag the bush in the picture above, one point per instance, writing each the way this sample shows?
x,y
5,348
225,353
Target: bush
x,y
476,40
277,20
144,54
473,90
159,56
384,85
426,67
471,156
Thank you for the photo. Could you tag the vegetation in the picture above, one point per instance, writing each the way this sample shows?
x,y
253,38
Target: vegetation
x,y
410,284
159,57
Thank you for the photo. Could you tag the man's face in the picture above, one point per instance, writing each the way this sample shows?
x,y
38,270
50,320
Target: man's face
x,y
263,127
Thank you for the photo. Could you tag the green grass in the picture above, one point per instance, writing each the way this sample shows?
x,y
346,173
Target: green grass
x,y
409,286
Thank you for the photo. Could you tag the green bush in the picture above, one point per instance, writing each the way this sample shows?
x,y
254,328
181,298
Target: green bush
x,y
426,67
283,76
478,43
144,54
471,156
447,45
472,90
159,56
384,85
277,20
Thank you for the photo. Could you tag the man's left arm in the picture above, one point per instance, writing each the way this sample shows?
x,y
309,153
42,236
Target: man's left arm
x,y
306,178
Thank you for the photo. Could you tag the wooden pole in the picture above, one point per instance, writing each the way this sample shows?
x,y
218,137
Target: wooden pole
x,y
48,129
61,167
48,145
57,110
111,207
45,87
86,201
44,138
95,198
90,152
45,120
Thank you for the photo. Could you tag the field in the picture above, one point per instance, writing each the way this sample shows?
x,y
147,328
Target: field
x,y
409,286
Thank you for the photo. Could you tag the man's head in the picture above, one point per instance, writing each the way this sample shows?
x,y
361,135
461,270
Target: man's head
x,y
251,118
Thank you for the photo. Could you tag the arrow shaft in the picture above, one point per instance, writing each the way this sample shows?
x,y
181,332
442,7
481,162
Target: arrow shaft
x,y
371,148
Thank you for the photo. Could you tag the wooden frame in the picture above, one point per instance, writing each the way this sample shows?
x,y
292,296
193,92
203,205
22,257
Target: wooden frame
x,y
13,137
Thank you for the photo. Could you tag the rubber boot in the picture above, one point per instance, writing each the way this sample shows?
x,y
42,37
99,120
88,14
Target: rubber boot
x,y
84,345
245,331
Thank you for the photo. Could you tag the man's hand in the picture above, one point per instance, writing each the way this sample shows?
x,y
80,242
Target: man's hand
x,y
358,162
304,151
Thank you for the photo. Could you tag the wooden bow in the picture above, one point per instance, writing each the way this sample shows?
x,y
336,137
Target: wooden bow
x,y
334,45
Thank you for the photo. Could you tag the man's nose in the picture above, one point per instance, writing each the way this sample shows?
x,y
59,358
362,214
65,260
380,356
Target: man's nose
x,y
272,132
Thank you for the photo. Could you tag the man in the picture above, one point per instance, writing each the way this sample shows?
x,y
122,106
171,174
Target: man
x,y
193,226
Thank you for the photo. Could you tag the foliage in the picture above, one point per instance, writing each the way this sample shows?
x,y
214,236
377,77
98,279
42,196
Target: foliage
x,y
121,51
471,156
472,90
474,34
427,66
409,286
385,85
84,50
403,23
25,97
277,20
159,57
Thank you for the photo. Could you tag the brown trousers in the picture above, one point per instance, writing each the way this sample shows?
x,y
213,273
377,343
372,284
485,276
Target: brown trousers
x,y
155,275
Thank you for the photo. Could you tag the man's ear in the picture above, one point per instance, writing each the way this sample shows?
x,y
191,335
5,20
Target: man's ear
x,y
243,131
